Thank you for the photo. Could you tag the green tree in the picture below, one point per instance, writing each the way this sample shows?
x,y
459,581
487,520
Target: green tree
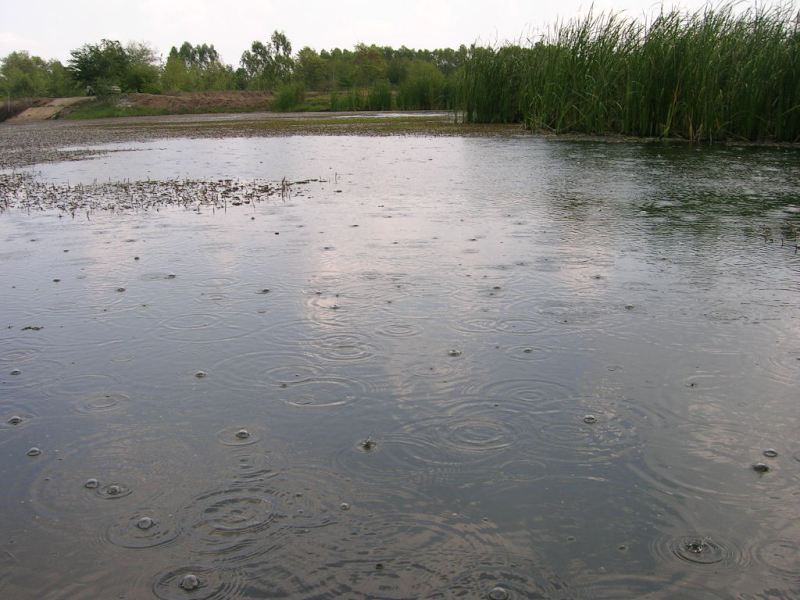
x,y
311,69
369,64
143,73
24,75
196,68
101,66
270,64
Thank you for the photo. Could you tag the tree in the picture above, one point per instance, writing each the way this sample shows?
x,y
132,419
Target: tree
x,y
369,63
143,73
24,75
30,76
270,64
101,66
196,68
311,68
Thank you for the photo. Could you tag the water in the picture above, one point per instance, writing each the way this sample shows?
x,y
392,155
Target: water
x,y
483,368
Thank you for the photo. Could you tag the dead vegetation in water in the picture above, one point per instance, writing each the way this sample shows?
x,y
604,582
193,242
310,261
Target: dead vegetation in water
x,y
20,191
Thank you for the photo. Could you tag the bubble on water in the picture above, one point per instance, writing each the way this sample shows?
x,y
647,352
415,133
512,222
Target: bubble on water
x,y
698,550
120,289
590,419
201,374
770,453
760,467
16,372
15,420
195,582
498,593
112,491
34,452
189,582
144,528
239,436
453,352
344,506
91,484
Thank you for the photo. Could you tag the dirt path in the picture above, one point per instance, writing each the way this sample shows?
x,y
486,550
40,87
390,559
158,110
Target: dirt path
x,y
48,111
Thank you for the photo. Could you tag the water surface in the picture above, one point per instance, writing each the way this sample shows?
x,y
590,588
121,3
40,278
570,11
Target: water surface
x,y
465,368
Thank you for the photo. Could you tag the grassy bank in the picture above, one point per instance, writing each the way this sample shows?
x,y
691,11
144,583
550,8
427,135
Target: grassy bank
x,y
712,75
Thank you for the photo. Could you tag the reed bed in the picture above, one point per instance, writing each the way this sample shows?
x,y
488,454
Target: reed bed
x,y
717,74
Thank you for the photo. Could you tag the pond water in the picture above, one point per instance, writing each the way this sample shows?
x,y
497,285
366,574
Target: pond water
x,y
445,368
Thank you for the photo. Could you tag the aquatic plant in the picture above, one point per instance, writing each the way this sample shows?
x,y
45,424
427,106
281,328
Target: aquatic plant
x,y
289,96
718,73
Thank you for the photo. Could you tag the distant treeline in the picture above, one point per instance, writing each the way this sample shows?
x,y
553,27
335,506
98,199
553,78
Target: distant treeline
x,y
365,77
719,73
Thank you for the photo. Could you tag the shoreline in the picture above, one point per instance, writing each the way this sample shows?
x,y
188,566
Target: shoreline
x,y
27,144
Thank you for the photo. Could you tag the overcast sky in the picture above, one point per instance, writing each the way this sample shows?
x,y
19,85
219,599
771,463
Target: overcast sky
x,y
51,28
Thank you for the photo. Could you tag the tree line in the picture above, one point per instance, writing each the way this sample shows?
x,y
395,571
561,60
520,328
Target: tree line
x,y
365,71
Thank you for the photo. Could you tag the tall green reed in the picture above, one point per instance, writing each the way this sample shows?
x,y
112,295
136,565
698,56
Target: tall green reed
x,y
719,73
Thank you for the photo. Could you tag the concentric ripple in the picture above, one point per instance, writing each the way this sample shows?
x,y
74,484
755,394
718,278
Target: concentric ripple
x,y
143,528
460,438
211,584
505,578
780,556
394,555
586,430
223,520
102,402
208,328
240,435
341,347
140,463
698,550
399,329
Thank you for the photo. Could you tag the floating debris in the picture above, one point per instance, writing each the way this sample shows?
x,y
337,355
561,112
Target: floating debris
x,y
33,328
760,468
368,444
22,191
